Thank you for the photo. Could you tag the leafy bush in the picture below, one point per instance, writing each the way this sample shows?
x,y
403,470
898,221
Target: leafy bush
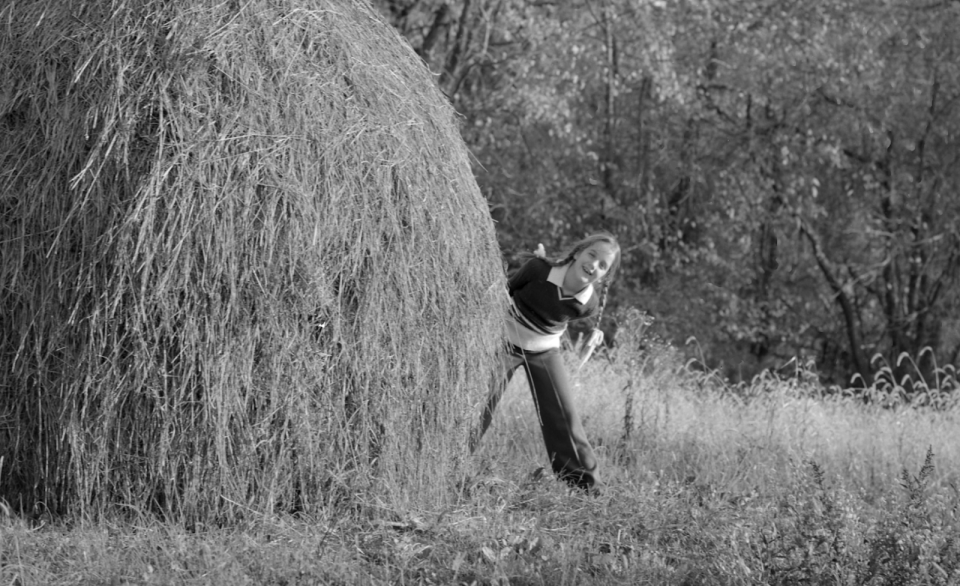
x,y
818,537
915,543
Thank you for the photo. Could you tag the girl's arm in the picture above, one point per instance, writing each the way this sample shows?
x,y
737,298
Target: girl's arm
x,y
524,275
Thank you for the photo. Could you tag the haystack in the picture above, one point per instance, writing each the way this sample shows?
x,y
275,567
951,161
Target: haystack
x,y
245,264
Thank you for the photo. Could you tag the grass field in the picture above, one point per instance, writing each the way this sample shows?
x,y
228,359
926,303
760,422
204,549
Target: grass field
x,y
777,482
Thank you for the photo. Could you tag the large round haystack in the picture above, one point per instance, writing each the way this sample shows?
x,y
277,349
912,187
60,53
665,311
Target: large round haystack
x,y
245,265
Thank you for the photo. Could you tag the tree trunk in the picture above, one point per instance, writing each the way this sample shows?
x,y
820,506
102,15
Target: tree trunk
x,y
842,295
607,160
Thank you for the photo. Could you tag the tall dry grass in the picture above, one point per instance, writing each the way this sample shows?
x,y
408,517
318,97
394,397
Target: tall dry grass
x,y
704,487
245,265
654,419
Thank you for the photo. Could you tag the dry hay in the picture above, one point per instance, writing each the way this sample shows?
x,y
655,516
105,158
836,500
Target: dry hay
x,y
245,264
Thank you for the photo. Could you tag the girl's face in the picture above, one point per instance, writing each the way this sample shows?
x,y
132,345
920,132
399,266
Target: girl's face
x,y
592,264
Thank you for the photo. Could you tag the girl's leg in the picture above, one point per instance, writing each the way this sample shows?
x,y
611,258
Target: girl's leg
x,y
511,361
570,453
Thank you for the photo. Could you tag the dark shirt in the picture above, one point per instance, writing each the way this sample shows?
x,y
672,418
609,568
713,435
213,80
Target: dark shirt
x,y
539,310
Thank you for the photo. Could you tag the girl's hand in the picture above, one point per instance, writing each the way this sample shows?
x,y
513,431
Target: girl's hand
x,y
540,252
595,339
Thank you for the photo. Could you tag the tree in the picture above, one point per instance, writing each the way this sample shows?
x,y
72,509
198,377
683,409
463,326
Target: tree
x,y
787,168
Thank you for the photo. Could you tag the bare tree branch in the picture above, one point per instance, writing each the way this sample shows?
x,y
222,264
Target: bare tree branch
x,y
843,297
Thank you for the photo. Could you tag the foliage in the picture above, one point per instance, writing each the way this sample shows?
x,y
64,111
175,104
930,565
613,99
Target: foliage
x,y
782,175
818,539
918,542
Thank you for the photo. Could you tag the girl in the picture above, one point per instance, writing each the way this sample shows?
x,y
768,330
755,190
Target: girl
x,y
546,294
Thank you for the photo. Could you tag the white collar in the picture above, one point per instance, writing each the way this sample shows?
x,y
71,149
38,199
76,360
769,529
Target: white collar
x,y
556,276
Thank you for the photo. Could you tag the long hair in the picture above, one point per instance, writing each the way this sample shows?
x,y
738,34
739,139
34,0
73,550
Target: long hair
x,y
578,247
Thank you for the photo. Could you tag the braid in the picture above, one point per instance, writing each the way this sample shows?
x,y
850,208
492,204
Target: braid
x,y
603,303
